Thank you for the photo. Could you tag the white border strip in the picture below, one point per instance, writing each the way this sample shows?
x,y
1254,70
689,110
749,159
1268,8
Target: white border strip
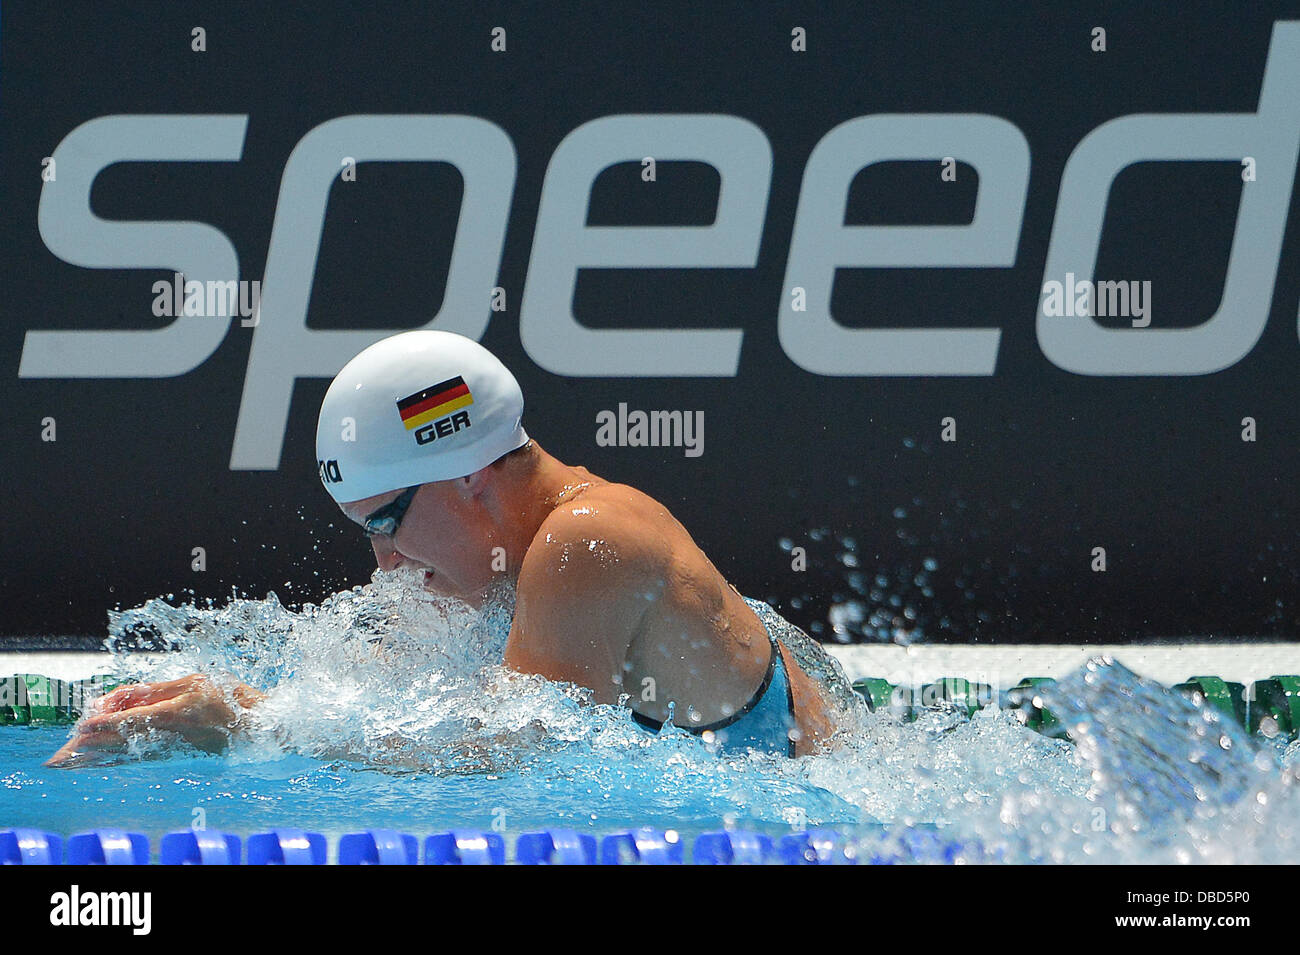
x,y
1005,665
63,665
922,663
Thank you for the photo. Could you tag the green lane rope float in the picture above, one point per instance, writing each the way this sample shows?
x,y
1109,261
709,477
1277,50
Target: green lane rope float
x,y
30,698
1228,698
1273,706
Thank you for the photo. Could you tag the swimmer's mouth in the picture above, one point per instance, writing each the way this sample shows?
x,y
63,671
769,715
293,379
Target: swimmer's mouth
x,y
428,577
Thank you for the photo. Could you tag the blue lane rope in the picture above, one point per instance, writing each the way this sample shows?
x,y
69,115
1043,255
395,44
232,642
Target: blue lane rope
x,y
645,846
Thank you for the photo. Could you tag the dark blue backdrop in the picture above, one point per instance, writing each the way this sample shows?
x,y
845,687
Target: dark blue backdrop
x,y
1199,527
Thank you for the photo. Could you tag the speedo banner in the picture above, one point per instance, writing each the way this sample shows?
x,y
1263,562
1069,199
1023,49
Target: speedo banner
x,y
928,321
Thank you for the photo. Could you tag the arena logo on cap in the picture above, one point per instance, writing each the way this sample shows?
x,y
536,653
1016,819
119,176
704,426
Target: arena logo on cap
x,y
435,412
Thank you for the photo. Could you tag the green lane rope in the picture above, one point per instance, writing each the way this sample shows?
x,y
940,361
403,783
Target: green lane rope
x,y
1270,707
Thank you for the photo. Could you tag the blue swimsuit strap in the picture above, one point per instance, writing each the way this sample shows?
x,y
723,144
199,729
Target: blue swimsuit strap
x,y
768,723
773,663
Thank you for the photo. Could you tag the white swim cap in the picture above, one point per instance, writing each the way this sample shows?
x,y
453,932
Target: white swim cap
x,y
418,407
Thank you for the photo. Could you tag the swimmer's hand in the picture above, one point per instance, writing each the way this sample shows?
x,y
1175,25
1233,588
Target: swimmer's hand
x,y
200,711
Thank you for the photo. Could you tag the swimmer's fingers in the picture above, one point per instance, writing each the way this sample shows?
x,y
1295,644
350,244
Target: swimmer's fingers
x,y
85,746
192,707
107,732
127,721
202,718
144,694
123,697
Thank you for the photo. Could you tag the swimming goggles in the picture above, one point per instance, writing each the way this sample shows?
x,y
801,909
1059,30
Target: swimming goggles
x,y
386,520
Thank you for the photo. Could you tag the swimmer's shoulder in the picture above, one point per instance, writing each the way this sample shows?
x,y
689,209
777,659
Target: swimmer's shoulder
x,y
607,530
618,543
610,545
580,597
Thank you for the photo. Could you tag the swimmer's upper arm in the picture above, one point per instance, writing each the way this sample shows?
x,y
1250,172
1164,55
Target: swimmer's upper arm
x,y
580,601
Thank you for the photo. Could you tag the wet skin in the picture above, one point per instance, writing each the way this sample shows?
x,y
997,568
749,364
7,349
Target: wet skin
x,y
611,593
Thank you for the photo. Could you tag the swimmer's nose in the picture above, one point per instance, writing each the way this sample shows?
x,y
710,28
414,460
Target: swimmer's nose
x,y
385,556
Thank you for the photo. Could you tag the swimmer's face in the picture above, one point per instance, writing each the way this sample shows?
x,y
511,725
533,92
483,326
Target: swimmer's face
x,y
439,535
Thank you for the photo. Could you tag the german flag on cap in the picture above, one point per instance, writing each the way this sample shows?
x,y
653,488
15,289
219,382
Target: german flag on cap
x,y
434,402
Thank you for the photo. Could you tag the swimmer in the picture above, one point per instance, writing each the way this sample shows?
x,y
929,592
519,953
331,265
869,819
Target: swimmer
x,y
420,441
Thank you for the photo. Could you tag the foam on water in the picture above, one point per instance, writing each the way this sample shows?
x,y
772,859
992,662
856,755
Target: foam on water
x,y
385,692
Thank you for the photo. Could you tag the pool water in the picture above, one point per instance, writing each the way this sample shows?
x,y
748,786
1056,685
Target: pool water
x,y
387,709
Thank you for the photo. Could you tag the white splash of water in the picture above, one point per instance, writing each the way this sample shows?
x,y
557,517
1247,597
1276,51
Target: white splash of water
x,y
386,677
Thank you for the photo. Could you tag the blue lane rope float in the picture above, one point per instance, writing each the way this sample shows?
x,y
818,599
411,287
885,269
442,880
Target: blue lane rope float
x,y
286,847
465,848
108,847
30,847
733,848
644,846
555,847
379,847
199,847
816,847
